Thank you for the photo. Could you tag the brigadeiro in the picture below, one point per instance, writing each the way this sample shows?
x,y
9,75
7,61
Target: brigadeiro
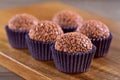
x,y
18,27
73,52
99,34
40,39
68,20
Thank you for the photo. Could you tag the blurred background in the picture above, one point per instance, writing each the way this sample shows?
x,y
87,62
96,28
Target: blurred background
x,y
104,8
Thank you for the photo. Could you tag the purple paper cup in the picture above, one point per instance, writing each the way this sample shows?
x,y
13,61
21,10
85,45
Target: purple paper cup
x,y
102,45
39,50
68,29
72,62
16,38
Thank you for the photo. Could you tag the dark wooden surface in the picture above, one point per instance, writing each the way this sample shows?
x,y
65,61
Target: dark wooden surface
x,y
20,62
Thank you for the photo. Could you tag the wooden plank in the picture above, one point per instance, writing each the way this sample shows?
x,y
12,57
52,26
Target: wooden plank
x,y
20,69
20,62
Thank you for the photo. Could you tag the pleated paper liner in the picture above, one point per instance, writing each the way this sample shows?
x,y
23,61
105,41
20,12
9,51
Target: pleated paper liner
x,y
102,45
16,38
68,29
72,62
39,50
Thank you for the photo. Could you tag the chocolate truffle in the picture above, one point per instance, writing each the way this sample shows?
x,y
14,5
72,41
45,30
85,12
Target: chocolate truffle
x,y
94,29
73,42
45,31
22,22
68,18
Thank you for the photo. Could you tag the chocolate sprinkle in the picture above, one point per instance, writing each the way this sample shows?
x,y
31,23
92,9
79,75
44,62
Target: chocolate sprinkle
x,y
94,29
45,31
68,18
73,42
22,22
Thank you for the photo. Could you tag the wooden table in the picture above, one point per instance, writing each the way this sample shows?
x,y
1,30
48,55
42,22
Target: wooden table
x,y
21,63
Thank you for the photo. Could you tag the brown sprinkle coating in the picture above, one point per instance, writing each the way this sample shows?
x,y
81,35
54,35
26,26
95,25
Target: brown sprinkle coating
x,y
73,42
68,18
94,29
22,22
45,31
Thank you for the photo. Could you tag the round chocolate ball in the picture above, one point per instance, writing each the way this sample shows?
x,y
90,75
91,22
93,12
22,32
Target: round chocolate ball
x,y
45,31
73,42
68,18
22,22
94,29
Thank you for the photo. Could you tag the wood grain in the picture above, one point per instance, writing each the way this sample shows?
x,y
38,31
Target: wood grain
x,y
20,62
